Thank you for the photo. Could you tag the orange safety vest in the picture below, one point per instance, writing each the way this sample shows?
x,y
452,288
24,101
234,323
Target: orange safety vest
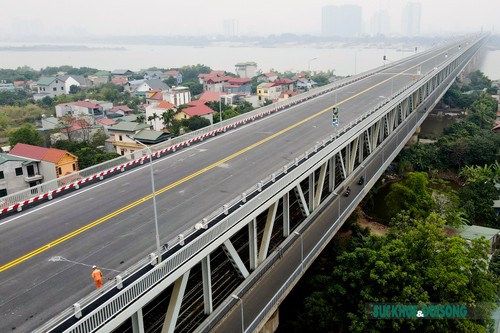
x,y
96,274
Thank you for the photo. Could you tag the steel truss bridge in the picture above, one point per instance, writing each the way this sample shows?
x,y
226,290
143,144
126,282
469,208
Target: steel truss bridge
x,y
207,272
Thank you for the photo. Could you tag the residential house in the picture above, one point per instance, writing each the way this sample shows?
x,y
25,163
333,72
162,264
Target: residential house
x,y
8,87
154,84
49,86
285,84
106,123
72,80
105,105
177,95
287,94
124,134
268,91
79,109
305,84
18,173
54,163
154,114
203,77
131,86
216,83
196,109
122,110
176,75
154,97
149,75
267,77
246,69
475,231
121,73
211,96
238,85
98,78
119,81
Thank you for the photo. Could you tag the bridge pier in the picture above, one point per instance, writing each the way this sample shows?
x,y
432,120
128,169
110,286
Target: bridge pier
x,y
272,324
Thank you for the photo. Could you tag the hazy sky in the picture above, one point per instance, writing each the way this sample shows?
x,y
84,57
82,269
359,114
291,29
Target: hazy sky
x,y
202,17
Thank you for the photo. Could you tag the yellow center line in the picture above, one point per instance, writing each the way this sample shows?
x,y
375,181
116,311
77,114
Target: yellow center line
x,y
185,179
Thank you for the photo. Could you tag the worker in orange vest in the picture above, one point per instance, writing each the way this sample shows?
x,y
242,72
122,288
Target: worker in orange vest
x,y
97,276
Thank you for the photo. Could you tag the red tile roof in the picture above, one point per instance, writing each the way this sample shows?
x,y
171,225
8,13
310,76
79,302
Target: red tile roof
x,y
199,110
38,153
197,102
239,80
282,81
119,80
171,73
106,121
86,104
218,79
211,96
18,83
156,95
165,105
123,108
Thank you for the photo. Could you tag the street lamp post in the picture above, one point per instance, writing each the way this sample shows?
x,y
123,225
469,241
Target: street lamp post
x,y
309,64
153,190
301,249
220,108
241,307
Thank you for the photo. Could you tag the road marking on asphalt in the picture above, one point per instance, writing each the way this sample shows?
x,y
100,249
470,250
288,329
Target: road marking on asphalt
x,y
189,177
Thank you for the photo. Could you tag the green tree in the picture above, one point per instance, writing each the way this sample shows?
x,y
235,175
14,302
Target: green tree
x,y
195,123
415,262
28,135
412,195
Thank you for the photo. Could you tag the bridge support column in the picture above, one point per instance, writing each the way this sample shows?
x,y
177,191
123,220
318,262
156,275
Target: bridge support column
x,y
331,174
319,186
206,273
138,322
252,244
272,324
286,215
311,191
268,230
174,305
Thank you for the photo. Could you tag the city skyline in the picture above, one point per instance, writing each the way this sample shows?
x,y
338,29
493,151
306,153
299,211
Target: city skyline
x,y
96,18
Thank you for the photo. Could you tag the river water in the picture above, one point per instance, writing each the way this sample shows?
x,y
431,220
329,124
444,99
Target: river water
x,y
344,61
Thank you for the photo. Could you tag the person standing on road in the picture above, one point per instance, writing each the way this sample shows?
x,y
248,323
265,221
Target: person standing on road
x,y
97,276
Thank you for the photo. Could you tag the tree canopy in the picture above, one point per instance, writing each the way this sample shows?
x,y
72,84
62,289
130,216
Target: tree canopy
x,y
416,262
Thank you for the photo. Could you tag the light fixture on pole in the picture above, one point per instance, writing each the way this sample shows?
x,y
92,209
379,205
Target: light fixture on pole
x,y
241,307
301,248
158,246
309,64
220,108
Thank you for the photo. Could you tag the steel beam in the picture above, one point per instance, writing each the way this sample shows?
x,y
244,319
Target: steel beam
x,y
206,274
175,304
286,215
268,230
235,258
138,322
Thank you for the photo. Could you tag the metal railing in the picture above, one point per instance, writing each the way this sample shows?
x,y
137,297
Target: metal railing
x,y
280,179
286,175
